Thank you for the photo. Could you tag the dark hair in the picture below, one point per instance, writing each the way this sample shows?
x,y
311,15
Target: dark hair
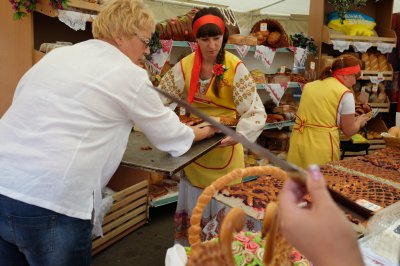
x,y
339,63
212,30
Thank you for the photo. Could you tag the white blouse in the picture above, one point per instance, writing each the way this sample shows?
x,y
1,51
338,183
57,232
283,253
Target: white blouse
x,y
68,126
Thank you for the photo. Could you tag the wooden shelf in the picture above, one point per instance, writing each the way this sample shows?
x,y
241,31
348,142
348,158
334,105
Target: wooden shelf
x,y
388,36
42,6
366,74
37,55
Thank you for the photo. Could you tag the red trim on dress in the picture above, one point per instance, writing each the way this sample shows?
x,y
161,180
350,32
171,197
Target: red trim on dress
x,y
240,62
219,168
337,108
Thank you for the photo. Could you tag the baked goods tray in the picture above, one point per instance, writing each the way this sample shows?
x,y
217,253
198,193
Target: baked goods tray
x,y
350,205
140,153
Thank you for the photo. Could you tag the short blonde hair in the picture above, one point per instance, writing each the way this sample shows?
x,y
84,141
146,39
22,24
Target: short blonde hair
x,y
122,18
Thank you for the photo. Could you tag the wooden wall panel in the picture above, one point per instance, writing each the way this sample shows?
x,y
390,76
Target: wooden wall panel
x,y
16,44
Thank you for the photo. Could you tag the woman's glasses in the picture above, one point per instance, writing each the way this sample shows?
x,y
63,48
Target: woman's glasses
x,y
145,41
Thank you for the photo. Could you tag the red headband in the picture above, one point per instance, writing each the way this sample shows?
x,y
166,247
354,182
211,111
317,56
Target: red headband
x,y
347,70
208,19
194,80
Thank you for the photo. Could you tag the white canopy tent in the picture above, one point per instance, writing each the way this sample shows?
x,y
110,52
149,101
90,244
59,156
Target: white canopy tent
x,y
292,14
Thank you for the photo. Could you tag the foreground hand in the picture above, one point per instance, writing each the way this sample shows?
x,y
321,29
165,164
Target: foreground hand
x,y
227,141
322,233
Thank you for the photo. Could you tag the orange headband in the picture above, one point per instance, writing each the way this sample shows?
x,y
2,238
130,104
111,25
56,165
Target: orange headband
x,y
206,20
347,70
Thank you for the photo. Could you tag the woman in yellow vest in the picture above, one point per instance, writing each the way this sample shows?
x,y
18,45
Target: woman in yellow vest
x,y
218,84
326,106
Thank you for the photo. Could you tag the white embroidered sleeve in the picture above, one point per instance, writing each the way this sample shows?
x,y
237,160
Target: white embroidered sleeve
x,y
248,104
172,82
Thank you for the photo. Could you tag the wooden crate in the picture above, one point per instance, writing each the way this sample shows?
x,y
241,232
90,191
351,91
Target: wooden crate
x,y
130,208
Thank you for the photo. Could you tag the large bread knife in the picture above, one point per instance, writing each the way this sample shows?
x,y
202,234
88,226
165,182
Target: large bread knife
x,y
294,172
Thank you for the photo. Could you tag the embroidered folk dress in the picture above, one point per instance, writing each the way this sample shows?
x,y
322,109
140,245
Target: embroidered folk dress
x,y
315,135
237,96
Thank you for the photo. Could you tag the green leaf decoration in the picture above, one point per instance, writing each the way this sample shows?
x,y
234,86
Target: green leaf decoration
x,y
343,6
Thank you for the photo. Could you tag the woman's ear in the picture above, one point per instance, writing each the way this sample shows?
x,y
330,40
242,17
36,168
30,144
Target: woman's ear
x,y
117,39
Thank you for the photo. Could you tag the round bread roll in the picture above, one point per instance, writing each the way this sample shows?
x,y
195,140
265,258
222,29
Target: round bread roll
x,y
394,131
273,37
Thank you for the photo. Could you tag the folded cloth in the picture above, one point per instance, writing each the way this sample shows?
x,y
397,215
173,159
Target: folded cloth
x,y
357,138
176,256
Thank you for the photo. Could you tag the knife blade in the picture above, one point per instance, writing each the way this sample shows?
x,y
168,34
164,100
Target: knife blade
x,y
294,172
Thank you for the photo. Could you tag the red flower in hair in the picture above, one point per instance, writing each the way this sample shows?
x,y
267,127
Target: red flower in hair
x,y
219,70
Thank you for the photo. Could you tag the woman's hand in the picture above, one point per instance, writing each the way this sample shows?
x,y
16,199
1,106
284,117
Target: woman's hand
x,y
203,132
361,120
322,233
227,141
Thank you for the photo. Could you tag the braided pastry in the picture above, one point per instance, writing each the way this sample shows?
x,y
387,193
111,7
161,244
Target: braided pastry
x,y
374,64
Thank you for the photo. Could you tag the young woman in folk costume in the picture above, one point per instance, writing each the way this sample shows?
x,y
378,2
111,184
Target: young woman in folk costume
x,y
326,106
218,84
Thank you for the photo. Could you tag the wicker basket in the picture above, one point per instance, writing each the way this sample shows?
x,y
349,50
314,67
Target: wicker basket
x,y
273,25
392,142
277,248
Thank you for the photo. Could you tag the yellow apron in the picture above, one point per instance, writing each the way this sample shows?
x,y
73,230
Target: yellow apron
x,y
220,160
315,135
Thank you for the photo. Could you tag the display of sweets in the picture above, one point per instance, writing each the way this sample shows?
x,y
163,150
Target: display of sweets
x,y
248,249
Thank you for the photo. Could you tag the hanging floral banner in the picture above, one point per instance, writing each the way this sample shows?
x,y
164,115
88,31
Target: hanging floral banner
x,y
266,54
300,55
193,46
276,91
158,58
242,50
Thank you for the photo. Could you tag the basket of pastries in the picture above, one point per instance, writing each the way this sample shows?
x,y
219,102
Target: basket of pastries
x,y
273,36
392,138
220,251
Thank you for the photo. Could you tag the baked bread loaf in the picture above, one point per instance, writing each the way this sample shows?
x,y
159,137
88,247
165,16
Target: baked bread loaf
x,y
242,39
273,38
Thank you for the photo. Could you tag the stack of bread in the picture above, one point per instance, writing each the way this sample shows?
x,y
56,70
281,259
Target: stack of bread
x,y
375,62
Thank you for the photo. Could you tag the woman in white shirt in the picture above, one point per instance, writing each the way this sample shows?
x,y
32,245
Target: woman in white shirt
x,y
65,134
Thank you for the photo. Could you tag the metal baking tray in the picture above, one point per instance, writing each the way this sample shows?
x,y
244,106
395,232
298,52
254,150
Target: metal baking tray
x,y
155,160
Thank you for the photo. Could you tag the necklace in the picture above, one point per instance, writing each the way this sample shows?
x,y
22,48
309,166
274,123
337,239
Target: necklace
x,y
203,85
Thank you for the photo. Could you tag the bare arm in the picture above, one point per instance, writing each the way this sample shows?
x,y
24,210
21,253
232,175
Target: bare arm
x,y
350,125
